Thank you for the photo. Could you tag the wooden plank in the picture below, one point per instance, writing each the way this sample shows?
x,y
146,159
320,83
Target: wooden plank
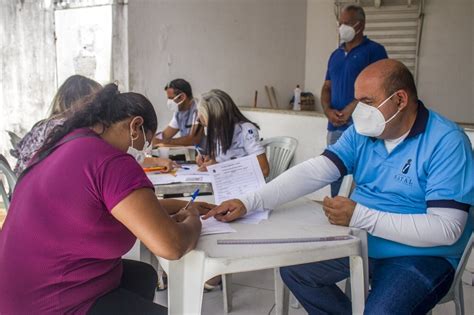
x,y
274,96
267,90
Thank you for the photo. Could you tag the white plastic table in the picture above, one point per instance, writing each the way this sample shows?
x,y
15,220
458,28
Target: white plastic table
x,y
300,218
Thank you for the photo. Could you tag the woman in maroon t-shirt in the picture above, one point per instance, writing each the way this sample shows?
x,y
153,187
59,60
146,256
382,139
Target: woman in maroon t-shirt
x,y
79,206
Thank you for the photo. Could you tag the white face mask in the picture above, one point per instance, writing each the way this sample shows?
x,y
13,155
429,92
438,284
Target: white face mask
x,y
369,121
346,33
140,155
172,105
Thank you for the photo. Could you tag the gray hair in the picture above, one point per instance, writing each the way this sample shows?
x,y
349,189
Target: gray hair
x,y
360,14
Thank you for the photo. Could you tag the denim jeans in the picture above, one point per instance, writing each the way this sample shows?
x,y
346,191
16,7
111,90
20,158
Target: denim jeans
x,y
400,285
332,138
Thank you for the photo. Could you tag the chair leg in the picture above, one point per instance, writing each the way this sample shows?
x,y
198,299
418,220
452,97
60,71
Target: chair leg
x,y
459,299
227,292
294,302
347,288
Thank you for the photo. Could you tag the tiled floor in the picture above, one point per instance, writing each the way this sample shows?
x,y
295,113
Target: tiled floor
x,y
253,295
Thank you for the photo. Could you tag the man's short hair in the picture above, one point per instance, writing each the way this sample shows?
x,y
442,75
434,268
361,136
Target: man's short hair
x,y
359,11
182,85
400,79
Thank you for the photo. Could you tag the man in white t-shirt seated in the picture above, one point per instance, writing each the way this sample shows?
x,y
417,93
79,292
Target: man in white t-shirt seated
x,y
184,121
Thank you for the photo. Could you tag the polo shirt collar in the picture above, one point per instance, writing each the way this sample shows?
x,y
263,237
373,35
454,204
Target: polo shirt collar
x,y
364,41
420,122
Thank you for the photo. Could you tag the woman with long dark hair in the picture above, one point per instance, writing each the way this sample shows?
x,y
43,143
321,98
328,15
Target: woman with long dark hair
x,y
79,207
68,97
69,93
229,133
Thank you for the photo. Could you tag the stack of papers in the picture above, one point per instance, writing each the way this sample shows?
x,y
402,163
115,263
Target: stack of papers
x,y
186,174
254,217
212,226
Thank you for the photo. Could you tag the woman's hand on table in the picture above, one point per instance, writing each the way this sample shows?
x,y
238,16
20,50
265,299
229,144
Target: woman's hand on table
x,y
168,164
227,211
182,214
203,166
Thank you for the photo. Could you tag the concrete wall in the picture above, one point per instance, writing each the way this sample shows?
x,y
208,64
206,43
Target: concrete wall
x,y
446,66
238,46
28,65
310,131
321,40
84,42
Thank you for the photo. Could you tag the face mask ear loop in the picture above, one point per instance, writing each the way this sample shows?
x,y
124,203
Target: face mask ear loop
x,y
145,141
391,118
132,138
395,115
386,100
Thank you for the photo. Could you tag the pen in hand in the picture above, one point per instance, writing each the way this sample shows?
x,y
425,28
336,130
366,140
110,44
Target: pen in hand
x,y
193,197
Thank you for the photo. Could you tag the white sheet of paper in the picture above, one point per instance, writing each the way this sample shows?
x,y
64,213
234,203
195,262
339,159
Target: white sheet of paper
x,y
254,217
212,226
235,178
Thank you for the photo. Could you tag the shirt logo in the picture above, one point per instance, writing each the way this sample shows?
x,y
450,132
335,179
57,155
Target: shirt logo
x,y
406,167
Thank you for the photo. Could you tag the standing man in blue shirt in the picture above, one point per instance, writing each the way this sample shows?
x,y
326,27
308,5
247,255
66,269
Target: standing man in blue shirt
x,y
354,54
414,176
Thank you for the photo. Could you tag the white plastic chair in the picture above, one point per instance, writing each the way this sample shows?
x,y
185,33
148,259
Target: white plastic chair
x,y
6,171
346,186
455,293
280,152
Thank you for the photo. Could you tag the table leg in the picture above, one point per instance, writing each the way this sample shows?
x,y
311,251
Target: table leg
x,y
364,249
282,294
186,284
227,292
357,284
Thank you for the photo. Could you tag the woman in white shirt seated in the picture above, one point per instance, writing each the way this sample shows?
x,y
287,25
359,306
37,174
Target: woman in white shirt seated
x,y
230,134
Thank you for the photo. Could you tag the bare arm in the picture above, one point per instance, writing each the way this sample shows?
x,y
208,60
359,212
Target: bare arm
x,y
194,137
169,132
326,96
143,215
334,116
263,161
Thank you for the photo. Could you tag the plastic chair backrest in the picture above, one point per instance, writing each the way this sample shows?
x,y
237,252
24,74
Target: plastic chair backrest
x,y
346,186
7,173
280,152
14,138
464,258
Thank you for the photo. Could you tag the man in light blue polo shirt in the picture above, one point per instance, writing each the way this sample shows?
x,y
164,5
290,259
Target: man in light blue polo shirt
x,y
414,176
354,54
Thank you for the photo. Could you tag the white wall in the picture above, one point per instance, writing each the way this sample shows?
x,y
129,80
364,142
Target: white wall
x,y
27,66
235,45
84,42
310,131
321,40
446,66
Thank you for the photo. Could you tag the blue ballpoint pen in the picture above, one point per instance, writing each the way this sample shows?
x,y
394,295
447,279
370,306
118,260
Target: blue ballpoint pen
x,y
193,197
